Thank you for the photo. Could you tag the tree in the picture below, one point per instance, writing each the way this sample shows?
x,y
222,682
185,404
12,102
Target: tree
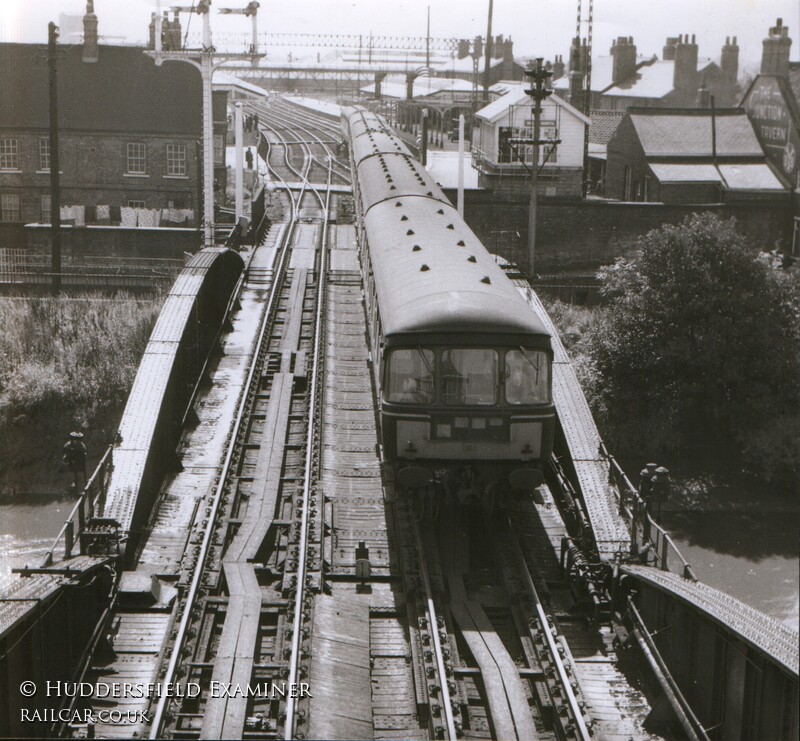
x,y
700,349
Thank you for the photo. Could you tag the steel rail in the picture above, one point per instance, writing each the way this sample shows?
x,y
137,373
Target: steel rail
x,y
294,664
310,120
307,153
199,570
572,701
433,624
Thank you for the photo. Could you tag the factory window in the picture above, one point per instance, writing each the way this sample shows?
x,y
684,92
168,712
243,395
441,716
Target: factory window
x,y
44,153
527,377
9,207
136,204
46,208
176,159
469,376
410,378
137,158
9,154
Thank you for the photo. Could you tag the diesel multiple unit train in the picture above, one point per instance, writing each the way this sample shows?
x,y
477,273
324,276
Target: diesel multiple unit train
x,y
462,364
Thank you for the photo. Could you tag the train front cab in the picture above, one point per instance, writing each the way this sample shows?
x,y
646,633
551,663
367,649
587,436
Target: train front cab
x,y
476,409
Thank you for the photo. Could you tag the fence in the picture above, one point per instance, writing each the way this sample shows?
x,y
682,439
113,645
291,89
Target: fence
x,y
648,538
83,510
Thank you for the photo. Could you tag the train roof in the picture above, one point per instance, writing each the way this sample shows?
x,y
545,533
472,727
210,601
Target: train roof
x,y
433,274
383,176
373,142
361,121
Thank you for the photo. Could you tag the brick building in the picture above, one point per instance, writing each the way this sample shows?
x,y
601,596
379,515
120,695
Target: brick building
x,y
689,156
129,134
773,103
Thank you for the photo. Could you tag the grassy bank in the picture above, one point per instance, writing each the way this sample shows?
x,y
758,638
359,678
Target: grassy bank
x,y
65,363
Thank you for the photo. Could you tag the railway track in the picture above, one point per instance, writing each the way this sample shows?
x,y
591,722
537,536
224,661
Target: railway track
x,y
353,610
257,559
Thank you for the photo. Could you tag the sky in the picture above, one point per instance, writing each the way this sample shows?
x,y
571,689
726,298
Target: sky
x,y
538,27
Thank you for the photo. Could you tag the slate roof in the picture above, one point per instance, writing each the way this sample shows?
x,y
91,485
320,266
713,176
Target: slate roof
x,y
794,83
665,132
122,91
653,81
604,124
516,95
749,176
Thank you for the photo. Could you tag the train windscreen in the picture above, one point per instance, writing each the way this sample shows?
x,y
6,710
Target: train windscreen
x,y
527,377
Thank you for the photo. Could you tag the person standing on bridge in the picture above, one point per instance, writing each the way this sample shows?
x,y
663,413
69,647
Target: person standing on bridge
x,y
75,456
248,158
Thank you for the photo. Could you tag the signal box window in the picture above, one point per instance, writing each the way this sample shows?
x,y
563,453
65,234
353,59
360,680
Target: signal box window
x,y
137,158
527,377
469,376
411,376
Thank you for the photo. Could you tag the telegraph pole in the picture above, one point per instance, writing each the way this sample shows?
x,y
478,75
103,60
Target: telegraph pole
x,y
539,76
55,186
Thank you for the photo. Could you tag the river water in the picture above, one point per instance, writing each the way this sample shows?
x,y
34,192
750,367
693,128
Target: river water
x,y
750,552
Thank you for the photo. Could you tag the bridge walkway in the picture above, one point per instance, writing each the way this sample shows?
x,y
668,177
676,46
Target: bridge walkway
x,y
173,534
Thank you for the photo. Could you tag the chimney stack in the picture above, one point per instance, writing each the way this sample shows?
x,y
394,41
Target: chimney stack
x,y
462,50
151,43
175,31
508,59
703,97
775,56
497,49
669,48
558,67
729,61
91,51
576,89
623,50
575,57
684,79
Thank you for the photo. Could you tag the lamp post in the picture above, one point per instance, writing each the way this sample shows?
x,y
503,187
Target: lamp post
x,y
207,61
539,92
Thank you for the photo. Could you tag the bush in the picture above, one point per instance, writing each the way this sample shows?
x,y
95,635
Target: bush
x,y
76,354
699,349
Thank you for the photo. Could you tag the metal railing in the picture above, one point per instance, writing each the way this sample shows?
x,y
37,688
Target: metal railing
x,y
84,508
648,539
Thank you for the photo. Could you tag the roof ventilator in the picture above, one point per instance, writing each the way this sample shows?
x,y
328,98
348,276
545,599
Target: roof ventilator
x,y
461,243
424,268
416,248
450,226
409,232
471,258
485,279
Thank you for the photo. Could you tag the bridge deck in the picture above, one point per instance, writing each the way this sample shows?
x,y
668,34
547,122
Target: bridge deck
x,y
754,627
583,440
